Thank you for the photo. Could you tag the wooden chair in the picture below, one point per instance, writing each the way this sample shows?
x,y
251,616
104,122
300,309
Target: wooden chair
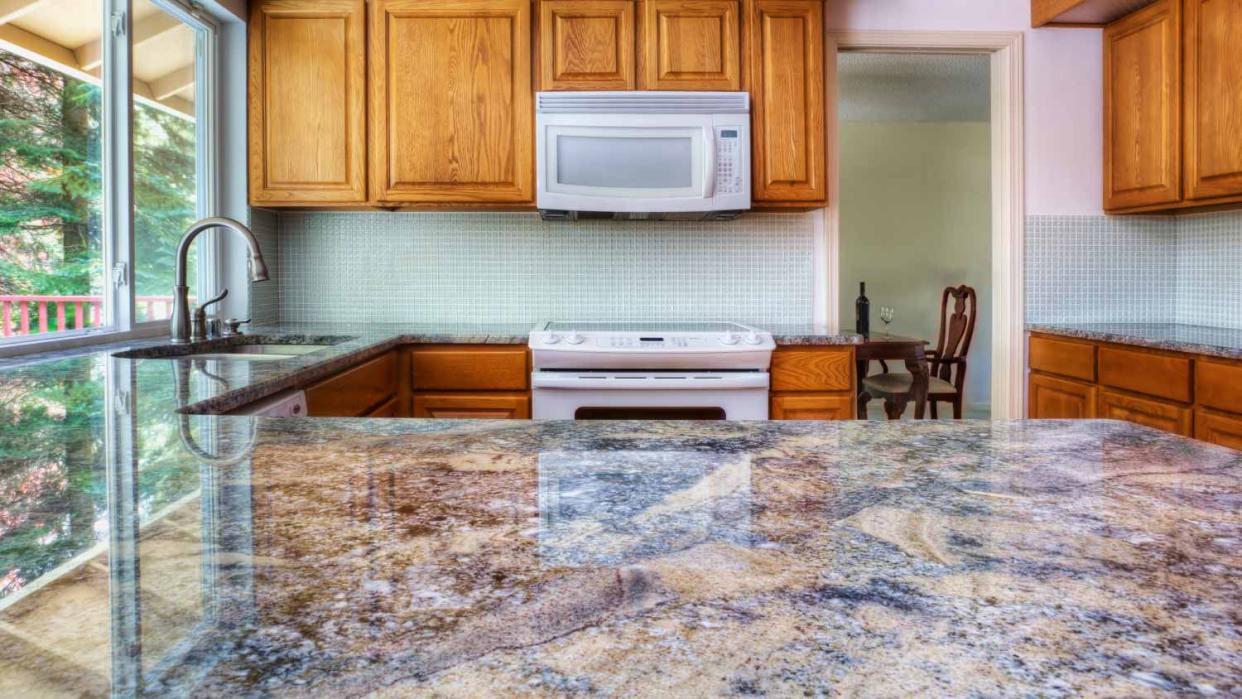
x,y
947,363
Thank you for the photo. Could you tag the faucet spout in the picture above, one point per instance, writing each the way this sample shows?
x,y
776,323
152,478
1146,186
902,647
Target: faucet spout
x,y
180,321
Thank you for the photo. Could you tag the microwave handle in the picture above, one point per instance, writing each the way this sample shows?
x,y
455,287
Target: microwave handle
x,y
709,177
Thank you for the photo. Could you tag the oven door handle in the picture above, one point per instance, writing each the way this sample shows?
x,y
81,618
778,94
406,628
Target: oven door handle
x,y
689,381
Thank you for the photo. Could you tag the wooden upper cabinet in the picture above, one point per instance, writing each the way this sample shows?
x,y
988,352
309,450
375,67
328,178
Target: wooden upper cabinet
x,y
1213,98
691,45
586,45
785,45
1142,108
451,101
307,102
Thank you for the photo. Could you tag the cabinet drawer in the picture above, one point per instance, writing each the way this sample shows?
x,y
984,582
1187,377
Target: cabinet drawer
x,y
1219,385
813,406
1144,411
1225,430
1153,373
813,369
473,406
469,368
1050,398
355,392
1065,357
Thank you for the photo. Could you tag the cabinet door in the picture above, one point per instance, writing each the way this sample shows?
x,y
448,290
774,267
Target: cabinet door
x,y
691,45
355,392
586,45
1058,399
1142,411
1217,428
1142,108
785,49
1213,102
451,114
813,406
307,102
472,406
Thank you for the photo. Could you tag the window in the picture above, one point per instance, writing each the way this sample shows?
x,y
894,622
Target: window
x,y
60,250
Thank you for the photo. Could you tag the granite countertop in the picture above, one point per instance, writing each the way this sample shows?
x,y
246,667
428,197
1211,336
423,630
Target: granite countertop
x,y
1195,339
150,551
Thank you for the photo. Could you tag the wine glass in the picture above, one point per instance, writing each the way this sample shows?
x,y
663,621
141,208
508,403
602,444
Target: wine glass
x,y
886,315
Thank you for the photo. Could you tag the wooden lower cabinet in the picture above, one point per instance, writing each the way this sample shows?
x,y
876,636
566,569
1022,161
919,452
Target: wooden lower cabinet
x,y
473,406
355,392
1051,398
813,406
1219,428
391,408
1145,411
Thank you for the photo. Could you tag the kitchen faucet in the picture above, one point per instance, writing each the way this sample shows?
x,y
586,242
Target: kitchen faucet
x,y
181,329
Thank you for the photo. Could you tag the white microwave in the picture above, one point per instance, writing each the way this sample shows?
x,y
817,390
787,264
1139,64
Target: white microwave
x,y
643,154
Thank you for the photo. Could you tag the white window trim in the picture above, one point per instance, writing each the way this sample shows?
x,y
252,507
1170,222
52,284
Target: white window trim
x,y
118,191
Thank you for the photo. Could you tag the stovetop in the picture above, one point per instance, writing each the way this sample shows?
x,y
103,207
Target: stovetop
x,y
632,326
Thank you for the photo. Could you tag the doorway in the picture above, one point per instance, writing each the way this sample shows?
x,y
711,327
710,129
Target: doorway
x,y
1003,52
914,149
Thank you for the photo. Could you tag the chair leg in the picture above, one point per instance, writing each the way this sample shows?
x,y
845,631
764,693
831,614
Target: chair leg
x,y
863,399
957,407
932,403
895,406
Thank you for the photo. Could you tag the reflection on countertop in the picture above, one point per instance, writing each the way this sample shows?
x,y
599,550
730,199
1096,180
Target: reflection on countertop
x,y
1194,339
472,558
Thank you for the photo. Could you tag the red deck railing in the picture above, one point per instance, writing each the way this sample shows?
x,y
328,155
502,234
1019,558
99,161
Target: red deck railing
x,y
28,315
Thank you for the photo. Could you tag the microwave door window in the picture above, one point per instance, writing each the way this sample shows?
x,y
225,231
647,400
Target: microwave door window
x,y
619,164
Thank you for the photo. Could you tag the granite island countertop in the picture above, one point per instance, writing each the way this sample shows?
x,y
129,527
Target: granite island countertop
x,y
149,551
1194,339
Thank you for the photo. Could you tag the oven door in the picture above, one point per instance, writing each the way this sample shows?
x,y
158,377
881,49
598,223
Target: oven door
x,y
656,395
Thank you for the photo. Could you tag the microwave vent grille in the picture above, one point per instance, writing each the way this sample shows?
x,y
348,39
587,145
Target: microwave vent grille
x,y
643,102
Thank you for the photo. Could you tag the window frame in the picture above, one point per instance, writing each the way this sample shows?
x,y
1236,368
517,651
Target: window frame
x,y
117,216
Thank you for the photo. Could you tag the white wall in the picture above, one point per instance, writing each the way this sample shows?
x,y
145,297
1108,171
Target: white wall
x,y
1064,88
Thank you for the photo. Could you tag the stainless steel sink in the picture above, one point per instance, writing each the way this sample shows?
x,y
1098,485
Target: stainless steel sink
x,y
257,353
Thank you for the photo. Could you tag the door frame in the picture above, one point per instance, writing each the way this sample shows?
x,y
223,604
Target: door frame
x,y
1008,202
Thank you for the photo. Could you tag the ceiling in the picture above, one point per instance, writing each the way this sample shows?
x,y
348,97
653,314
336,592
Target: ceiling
x,y
65,34
913,87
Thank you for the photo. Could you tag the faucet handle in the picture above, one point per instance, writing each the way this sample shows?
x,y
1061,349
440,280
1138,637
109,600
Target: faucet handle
x,y
203,306
232,326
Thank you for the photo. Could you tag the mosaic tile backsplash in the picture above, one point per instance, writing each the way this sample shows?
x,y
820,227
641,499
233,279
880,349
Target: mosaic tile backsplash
x,y
1099,269
393,267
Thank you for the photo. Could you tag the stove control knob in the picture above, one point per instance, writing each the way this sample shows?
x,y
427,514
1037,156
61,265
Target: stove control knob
x,y
729,339
551,339
575,339
754,339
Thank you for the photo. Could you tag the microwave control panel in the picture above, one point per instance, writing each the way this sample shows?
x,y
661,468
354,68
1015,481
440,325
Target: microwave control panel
x,y
728,160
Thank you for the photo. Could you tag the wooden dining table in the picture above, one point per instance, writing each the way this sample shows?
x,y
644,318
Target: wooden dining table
x,y
911,350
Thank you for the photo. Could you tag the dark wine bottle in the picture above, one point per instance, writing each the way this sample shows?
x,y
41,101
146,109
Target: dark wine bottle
x,y
862,309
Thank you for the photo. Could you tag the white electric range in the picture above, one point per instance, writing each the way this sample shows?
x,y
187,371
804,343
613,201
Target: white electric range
x,y
653,371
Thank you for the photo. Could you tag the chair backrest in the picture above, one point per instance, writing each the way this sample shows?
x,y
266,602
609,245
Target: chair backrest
x,y
957,329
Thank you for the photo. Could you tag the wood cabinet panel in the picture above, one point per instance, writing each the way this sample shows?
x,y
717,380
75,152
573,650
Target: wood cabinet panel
x,y
1142,108
1218,384
391,408
1050,398
813,406
451,101
587,45
813,369
472,406
691,45
307,98
1213,98
785,48
469,368
1217,428
1065,357
1145,411
355,392
1153,373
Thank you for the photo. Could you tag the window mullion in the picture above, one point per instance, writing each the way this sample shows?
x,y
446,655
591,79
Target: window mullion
x,y
118,177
